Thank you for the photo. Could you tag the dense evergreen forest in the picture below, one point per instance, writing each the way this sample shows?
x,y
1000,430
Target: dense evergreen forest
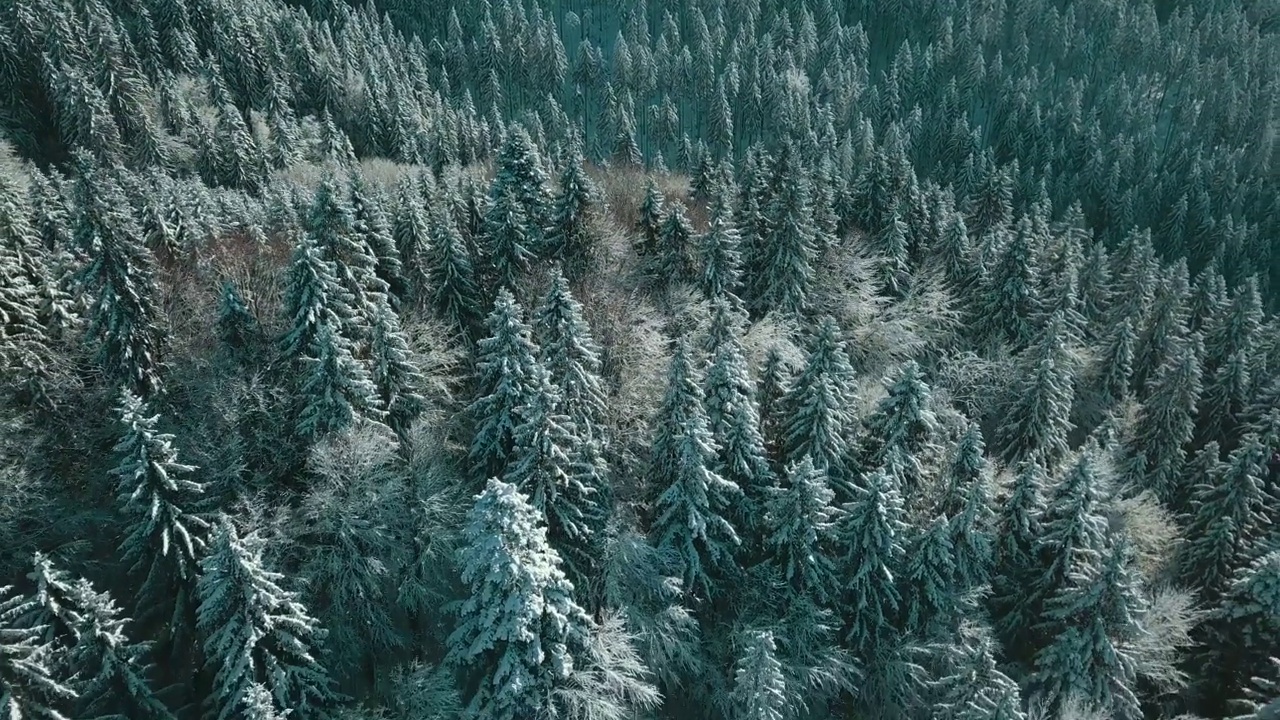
x,y
688,359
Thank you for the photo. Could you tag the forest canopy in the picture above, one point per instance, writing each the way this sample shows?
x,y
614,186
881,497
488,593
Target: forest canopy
x,y
752,360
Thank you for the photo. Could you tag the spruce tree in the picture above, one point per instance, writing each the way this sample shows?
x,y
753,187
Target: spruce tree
x,y
759,683
395,375
165,534
1243,631
1018,528
507,370
652,211
520,635
571,238
801,520
412,229
1007,301
334,387
108,670
332,225
512,238
370,223
452,278
734,419
772,391
931,598
902,425
1072,533
521,184
119,277
786,267
870,536
572,356
968,504
239,332
27,687
1166,421
1096,614
547,466
819,420
1036,425
693,499
256,632
1228,518
975,688
312,299
674,262
720,255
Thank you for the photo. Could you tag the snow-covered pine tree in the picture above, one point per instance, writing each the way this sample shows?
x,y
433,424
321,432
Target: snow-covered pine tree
x,y
370,223
412,229
395,374
1095,615
521,182
931,599
1228,518
238,330
452,277
734,420
904,424
649,224
572,356
772,391
759,683
119,276
674,262
975,688
28,688
692,499
164,532
332,225
256,632
1072,533
786,266
1007,300
1036,425
1166,422
520,634
969,505
1016,559
547,466
312,299
107,671
1243,631
870,536
720,255
512,238
818,409
507,369
334,387
571,238
801,521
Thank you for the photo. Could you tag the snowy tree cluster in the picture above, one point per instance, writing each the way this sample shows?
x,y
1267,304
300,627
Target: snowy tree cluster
x,y
523,359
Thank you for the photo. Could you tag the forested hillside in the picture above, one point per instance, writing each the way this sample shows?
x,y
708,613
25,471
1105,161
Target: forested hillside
x,y
687,359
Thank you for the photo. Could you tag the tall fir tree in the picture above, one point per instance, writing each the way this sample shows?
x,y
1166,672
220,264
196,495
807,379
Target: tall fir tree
x,y
759,683
1007,300
395,374
548,466
692,498
508,370
1018,528
571,238
1242,632
1166,422
720,255
520,635
818,407
801,522
119,277
903,426
870,536
1036,425
1096,615
786,267
256,632
734,420
334,388
452,277
649,223
165,533
27,686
